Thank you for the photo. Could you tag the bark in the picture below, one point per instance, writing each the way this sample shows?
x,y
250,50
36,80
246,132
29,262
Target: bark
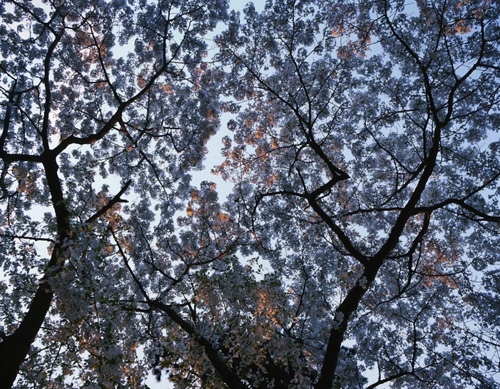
x,y
14,348
229,377
353,298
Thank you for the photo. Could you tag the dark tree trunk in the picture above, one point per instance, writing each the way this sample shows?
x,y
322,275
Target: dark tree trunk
x,y
15,347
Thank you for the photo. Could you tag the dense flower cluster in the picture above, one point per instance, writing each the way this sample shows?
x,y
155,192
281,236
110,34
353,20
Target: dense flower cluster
x,y
359,246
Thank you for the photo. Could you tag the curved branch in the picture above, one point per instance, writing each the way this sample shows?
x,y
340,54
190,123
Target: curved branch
x,y
226,373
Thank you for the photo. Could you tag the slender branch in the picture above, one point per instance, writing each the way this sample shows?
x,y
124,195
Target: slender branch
x,y
116,199
226,373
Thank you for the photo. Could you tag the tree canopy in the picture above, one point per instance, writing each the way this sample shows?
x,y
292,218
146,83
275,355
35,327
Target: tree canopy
x,y
358,247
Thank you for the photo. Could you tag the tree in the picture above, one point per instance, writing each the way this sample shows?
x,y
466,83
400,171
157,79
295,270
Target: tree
x,y
365,159
101,100
367,163
358,247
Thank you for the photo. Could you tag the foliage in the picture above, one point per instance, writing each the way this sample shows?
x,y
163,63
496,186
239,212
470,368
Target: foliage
x,y
98,98
358,247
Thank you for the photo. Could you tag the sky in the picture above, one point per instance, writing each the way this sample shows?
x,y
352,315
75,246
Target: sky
x,y
213,159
